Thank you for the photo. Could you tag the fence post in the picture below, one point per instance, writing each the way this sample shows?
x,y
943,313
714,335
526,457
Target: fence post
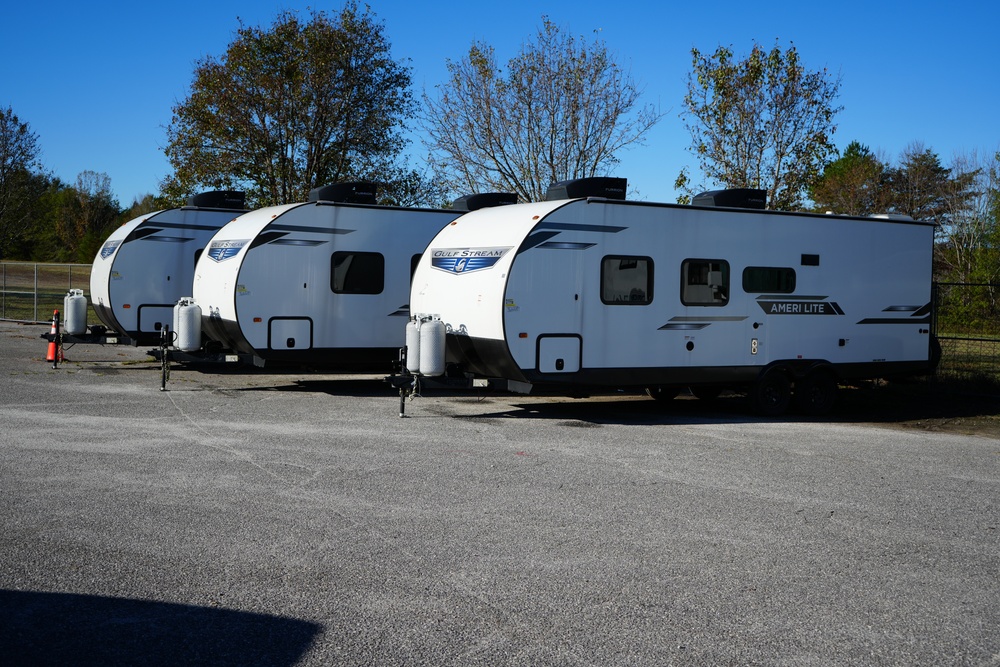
x,y
34,313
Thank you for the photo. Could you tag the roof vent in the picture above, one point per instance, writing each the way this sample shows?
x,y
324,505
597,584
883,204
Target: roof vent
x,y
225,199
733,198
595,186
345,193
484,200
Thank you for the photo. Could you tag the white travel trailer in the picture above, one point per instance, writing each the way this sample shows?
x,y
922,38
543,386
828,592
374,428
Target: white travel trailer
x,y
582,292
147,264
320,283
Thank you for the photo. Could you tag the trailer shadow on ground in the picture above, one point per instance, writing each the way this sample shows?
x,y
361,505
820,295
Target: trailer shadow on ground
x,y
958,407
932,406
68,629
920,406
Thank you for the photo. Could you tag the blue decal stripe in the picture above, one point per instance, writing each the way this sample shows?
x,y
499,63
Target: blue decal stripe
x,y
894,320
181,225
463,264
566,245
573,227
310,230
688,326
300,242
220,254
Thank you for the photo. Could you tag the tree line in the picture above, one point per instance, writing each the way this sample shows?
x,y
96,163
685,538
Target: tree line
x,y
318,99
45,219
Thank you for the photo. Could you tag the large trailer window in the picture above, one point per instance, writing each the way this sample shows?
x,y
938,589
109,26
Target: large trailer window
x,y
357,273
627,281
414,261
768,279
704,282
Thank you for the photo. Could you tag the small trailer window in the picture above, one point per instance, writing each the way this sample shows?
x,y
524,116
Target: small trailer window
x,y
766,279
626,281
357,273
704,282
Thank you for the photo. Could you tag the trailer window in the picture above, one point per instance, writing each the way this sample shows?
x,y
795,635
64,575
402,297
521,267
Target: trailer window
x,y
704,282
767,279
627,281
414,261
357,273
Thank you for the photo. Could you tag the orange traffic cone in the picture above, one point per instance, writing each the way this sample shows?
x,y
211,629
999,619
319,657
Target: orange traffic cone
x,y
53,353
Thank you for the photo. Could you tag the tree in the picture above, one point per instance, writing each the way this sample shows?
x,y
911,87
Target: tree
x,y
854,184
564,109
21,183
291,108
141,206
924,189
402,186
761,122
84,216
967,210
967,254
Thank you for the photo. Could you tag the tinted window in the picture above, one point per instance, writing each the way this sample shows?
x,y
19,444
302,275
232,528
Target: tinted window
x,y
768,279
704,282
627,280
357,273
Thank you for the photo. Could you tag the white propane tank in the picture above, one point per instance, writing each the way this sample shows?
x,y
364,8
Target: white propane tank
x,y
432,348
413,347
75,311
187,325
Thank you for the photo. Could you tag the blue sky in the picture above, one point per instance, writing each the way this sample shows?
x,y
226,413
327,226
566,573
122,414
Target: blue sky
x,y
96,81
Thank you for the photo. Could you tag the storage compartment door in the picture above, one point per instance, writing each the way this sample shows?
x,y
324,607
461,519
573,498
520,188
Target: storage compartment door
x,y
559,353
289,333
153,316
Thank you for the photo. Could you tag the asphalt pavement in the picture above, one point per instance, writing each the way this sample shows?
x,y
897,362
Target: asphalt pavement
x,y
255,518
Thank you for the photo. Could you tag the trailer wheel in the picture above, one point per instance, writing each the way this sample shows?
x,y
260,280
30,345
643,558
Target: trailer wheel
x,y
662,393
771,394
815,394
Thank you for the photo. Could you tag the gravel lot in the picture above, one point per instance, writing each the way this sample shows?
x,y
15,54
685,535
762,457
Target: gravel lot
x,y
294,519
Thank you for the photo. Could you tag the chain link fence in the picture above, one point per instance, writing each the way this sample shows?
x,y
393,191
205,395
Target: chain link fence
x,y
967,325
29,292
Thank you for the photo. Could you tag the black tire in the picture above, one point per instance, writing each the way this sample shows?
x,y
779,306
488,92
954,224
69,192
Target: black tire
x,y
771,394
815,394
662,393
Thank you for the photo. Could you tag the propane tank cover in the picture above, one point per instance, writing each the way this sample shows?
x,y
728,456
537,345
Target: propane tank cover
x,y
75,309
187,325
432,348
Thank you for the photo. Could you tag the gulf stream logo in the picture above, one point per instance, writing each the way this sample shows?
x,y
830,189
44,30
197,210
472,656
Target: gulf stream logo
x,y
109,248
466,260
220,251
